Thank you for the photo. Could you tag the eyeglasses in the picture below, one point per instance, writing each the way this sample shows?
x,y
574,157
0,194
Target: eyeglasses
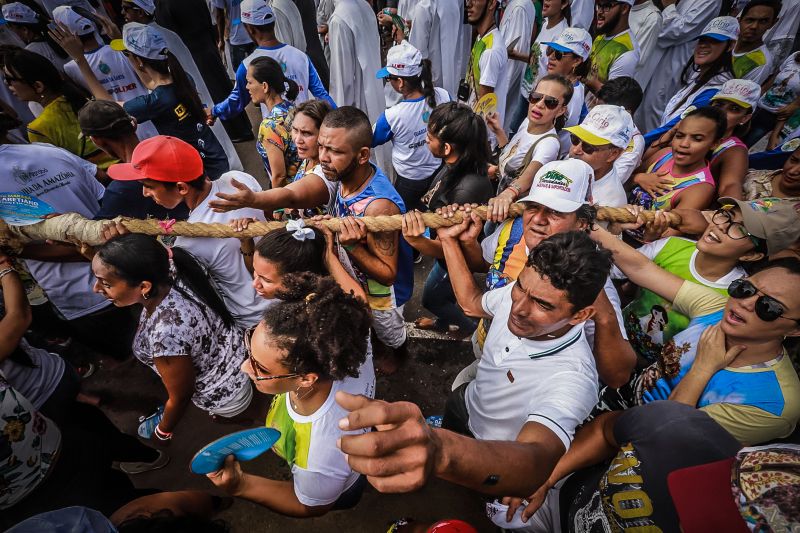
x,y
606,6
767,308
558,55
587,148
735,230
248,336
550,102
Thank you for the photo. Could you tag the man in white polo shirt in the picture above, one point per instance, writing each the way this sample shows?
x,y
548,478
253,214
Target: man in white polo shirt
x,y
599,141
536,379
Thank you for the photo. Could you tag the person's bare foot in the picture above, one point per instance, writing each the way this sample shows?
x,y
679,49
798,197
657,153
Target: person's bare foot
x,y
428,324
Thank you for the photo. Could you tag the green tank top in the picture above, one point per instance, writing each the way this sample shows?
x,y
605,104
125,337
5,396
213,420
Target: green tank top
x,y
606,51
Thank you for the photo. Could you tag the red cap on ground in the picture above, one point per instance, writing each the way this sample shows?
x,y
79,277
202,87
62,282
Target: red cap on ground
x,y
160,158
704,500
452,526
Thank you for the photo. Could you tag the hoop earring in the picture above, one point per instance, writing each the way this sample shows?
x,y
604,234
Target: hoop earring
x,y
146,295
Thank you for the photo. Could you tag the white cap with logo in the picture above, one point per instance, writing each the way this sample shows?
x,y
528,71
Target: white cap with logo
x,y
17,12
256,13
141,40
605,124
563,186
722,29
745,93
575,40
148,6
402,60
77,24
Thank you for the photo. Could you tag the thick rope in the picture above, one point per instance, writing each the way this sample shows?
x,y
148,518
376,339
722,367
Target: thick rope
x,y
72,227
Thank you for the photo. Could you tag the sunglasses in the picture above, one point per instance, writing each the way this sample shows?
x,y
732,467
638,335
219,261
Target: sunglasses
x,y
257,369
550,102
587,148
767,308
558,55
608,6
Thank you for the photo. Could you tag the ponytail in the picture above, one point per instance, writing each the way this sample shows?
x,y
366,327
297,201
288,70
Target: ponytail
x,y
267,70
427,83
185,90
190,274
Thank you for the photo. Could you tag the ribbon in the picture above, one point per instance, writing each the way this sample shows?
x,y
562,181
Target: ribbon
x,y
166,225
299,230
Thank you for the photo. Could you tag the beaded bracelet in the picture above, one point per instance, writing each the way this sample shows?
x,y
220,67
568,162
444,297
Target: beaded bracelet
x,y
161,435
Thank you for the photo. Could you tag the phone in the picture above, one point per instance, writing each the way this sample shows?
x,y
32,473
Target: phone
x,y
463,91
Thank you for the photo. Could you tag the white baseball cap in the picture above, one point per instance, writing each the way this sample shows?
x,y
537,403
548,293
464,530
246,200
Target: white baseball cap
x,y
19,13
722,29
402,60
256,13
745,93
563,186
574,40
142,40
148,6
77,24
605,124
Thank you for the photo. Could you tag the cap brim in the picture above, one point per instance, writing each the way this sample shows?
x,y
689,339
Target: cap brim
x,y
752,222
585,135
558,204
118,45
703,498
124,172
736,101
383,73
717,37
560,48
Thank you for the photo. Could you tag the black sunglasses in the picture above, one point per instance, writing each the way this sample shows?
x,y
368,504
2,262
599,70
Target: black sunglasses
x,y
248,336
558,55
606,6
550,102
587,148
767,308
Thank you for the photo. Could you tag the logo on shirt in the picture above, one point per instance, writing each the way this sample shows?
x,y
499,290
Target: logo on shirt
x,y
426,116
105,69
23,178
283,66
181,112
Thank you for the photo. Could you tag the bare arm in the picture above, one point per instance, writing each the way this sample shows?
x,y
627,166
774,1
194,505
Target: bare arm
x,y
178,375
277,165
468,295
73,47
377,257
18,312
219,15
309,191
613,355
732,169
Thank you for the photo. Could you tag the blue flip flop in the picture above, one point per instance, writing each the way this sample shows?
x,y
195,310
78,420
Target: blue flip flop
x,y
244,445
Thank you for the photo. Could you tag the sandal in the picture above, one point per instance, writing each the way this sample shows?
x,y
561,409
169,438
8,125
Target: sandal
x,y
429,324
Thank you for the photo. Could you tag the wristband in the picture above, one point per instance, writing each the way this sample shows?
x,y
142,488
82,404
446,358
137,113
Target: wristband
x,y
5,271
161,435
517,190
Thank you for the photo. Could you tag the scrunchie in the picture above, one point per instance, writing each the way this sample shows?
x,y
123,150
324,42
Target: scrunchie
x,y
299,230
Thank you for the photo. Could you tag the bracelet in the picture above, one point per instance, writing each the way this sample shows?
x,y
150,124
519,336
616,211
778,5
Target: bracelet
x,y
7,270
161,435
517,190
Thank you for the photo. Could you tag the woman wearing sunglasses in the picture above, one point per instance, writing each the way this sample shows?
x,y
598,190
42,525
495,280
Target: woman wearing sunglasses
x,y
310,345
186,334
730,361
534,145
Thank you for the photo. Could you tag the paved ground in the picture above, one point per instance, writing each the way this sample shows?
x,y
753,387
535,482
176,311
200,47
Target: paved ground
x,y
134,390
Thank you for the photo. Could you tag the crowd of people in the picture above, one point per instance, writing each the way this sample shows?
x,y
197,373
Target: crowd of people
x,y
618,191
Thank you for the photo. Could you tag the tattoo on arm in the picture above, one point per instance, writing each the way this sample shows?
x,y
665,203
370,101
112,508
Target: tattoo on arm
x,y
385,242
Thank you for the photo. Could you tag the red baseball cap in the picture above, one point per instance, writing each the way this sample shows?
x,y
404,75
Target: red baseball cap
x,y
161,158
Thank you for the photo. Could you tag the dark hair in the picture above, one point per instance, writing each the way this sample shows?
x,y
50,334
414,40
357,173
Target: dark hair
x,y
587,213
106,119
661,310
569,91
185,91
290,255
354,120
197,183
792,264
724,63
566,12
776,6
456,124
316,110
323,329
573,263
423,83
713,114
623,91
264,28
267,70
165,521
136,258
31,67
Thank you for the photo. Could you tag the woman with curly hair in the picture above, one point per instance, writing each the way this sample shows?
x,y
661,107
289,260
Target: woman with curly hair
x,y
311,344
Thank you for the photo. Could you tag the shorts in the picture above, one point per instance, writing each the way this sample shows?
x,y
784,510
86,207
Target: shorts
x,y
390,326
237,405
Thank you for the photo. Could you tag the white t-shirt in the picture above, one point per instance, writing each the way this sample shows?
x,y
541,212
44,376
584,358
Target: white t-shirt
x,y
514,152
553,382
116,75
407,124
786,27
582,13
320,471
786,86
631,158
295,67
223,257
547,35
236,32
68,184
45,50
608,190
36,383
758,74
574,110
684,97
492,63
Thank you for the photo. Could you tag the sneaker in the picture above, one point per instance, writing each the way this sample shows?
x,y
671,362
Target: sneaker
x,y
138,468
147,425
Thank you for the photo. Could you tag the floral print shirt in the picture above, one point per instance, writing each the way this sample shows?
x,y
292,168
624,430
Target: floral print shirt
x,y
180,325
29,445
276,129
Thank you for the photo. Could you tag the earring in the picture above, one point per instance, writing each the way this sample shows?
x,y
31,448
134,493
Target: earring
x,y
146,295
